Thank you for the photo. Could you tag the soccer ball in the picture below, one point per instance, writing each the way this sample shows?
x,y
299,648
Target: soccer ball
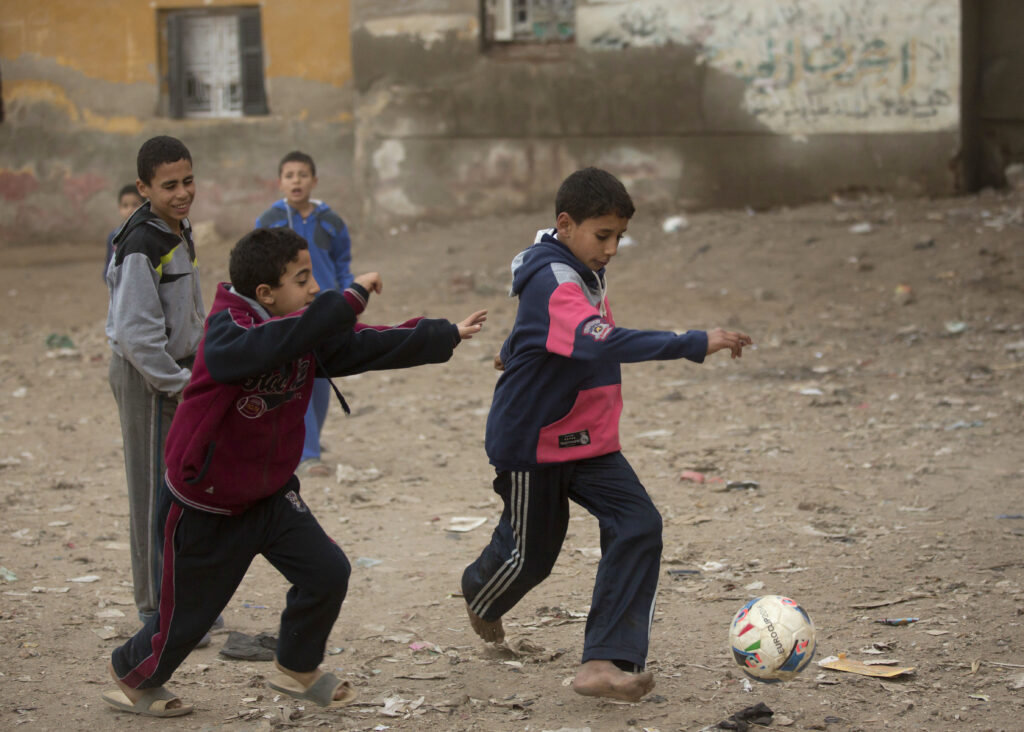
x,y
772,638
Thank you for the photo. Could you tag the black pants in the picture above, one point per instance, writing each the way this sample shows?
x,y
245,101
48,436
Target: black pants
x,y
529,536
205,557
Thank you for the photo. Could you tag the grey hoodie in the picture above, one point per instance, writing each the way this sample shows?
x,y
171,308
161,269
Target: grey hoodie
x,y
156,310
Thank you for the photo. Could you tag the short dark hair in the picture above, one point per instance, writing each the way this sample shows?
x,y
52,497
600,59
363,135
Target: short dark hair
x,y
297,156
592,192
261,257
128,190
159,150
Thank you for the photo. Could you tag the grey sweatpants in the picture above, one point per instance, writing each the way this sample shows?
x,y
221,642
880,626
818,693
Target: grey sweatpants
x,y
145,419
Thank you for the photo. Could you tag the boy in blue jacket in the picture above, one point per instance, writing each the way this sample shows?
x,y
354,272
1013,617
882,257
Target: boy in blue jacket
x,y
553,435
330,250
231,457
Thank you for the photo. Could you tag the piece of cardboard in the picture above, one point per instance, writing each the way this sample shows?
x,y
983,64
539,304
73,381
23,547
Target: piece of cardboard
x,y
856,667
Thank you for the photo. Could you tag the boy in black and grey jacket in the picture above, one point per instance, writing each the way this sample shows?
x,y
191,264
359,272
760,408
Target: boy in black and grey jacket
x,y
154,325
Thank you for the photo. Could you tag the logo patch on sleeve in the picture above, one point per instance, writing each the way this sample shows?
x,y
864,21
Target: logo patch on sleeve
x,y
598,329
574,439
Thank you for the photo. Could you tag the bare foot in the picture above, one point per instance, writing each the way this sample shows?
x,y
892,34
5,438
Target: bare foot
x,y
308,678
604,678
135,694
490,630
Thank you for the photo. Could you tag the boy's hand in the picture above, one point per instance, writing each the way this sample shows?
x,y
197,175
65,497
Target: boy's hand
x,y
719,339
498,363
370,281
472,324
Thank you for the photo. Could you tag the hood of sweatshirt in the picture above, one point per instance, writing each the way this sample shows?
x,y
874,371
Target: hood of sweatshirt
x,y
547,249
144,216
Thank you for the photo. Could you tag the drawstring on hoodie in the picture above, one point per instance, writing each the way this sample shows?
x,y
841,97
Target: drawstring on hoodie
x,y
337,391
603,289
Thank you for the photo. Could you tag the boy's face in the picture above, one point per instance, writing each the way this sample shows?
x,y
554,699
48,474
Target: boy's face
x,y
593,241
297,288
128,203
171,192
296,182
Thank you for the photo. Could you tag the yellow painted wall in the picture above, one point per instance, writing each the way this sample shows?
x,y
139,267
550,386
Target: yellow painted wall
x,y
116,40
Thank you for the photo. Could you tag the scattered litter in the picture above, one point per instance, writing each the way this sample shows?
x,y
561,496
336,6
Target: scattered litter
x,y
251,606
893,601
59,340
52,590
683,572
937,632
842,663
368,562
110,612
590,552
20,393
955,327
897,621
349,474
656,433
759,715
696,477
462,524
396,706
245,647
754,586
107,632
742,485
713,566
747,686
673,224
425,646
864,227
1000,516
979,697
881,662
812,391
1017,682
964,425
85,578
903,294
7,575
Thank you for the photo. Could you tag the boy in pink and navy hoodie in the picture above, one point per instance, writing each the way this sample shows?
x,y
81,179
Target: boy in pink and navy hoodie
x,y
553,435
231,456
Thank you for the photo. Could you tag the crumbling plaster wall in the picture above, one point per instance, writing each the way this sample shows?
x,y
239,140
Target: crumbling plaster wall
x,y
691,103
81,92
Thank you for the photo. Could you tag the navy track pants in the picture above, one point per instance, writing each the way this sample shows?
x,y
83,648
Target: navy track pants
x,y
528,539
205,558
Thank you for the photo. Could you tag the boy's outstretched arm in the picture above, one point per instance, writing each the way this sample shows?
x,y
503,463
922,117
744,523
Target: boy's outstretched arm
x,y
369,349
719,339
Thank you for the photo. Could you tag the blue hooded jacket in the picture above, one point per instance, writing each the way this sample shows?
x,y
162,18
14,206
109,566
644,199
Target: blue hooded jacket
x,y
330,247
560,395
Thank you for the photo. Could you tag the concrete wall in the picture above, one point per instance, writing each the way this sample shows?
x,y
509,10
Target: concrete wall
x,y
81,92
409,115
691,103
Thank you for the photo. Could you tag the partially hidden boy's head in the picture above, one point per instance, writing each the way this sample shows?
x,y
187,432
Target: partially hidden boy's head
x,y
165,178
272,266
128,199
592,210
296,179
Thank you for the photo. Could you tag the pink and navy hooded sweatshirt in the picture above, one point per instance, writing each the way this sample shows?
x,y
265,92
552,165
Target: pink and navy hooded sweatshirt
x,y
237,435
560,395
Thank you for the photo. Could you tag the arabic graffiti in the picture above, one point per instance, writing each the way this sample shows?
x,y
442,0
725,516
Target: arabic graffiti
x,y
809,65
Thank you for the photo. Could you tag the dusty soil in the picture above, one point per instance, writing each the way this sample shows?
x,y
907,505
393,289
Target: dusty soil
x,y
884,437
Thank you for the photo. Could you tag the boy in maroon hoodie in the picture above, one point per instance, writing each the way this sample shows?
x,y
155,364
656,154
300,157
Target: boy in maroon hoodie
x,y
231,455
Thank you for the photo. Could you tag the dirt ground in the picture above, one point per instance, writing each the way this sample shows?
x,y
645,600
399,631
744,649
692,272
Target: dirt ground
x,y
883,428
